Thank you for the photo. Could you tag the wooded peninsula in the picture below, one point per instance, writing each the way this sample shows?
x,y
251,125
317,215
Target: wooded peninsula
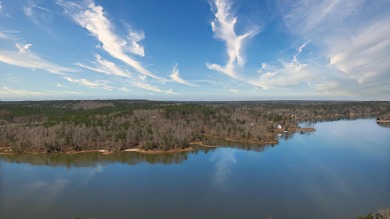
x,y
119,125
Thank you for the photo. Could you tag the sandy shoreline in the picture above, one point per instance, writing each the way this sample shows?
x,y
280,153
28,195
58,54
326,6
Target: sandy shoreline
x,y
304,130
199,143
4,151
162,151
132,150
252,141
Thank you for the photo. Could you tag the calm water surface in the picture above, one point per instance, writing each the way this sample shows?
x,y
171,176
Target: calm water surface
x,y
340,171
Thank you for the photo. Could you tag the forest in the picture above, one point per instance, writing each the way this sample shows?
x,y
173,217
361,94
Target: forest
x,y
117,125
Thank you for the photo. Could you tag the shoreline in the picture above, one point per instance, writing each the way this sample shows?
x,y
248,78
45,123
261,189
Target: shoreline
x,y
250,141
6,150
199,143
382,121
253,141
162,151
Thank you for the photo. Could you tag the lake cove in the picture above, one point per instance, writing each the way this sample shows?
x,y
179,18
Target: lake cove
x,y
339,171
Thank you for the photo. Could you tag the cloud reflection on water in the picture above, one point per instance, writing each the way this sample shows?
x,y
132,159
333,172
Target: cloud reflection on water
x,y
43,191
223,161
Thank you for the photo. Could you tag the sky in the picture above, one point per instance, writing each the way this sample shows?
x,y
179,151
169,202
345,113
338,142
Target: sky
x,y
195,49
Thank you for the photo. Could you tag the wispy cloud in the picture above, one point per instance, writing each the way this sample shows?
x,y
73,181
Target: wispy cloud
x,y
39,15
170,91
111,85
23,57
352,35
8,92
134,38
223,27
1,7
146,86
3,35
365,56
110,68
7,34
73,92
312,18
175,76
88,83
233,91
93,18
106,67
286,75
124,89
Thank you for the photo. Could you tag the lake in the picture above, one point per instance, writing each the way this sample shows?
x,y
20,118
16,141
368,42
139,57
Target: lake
x,y
340,171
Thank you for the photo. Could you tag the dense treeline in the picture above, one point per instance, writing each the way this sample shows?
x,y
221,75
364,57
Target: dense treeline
x,y
116,125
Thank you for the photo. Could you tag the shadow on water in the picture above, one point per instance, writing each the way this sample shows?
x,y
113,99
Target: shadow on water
x,y
93,159
384,124
239,145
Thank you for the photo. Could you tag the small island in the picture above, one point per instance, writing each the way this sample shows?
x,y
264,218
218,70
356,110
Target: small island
x,y
385,118
110,126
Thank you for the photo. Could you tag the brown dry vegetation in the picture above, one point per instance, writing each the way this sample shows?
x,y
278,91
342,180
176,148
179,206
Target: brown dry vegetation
x,y
117,125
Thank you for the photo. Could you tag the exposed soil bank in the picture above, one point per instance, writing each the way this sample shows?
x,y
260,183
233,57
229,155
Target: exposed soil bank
x,y
199,143
164,151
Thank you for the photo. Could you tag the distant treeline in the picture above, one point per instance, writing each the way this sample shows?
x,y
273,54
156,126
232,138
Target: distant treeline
x,y
117,125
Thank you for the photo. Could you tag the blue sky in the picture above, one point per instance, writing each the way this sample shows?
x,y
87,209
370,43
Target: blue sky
x,y
195,49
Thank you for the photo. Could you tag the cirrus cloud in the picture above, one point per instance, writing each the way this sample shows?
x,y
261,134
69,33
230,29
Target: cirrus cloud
x,y
93,18
353,35
23,57
175,76
223,27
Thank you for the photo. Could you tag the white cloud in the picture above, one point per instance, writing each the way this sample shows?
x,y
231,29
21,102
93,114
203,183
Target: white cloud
x,y
353,35
146,86
3,35
39,15
175,76
223,27
106,67
223,162
6,34
73,92
110,68
93,18
124,89
170,92
233,90
328,86
1,7
27,59
312,18
287,75
23,48
88,83
365,56
135,47
8,92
